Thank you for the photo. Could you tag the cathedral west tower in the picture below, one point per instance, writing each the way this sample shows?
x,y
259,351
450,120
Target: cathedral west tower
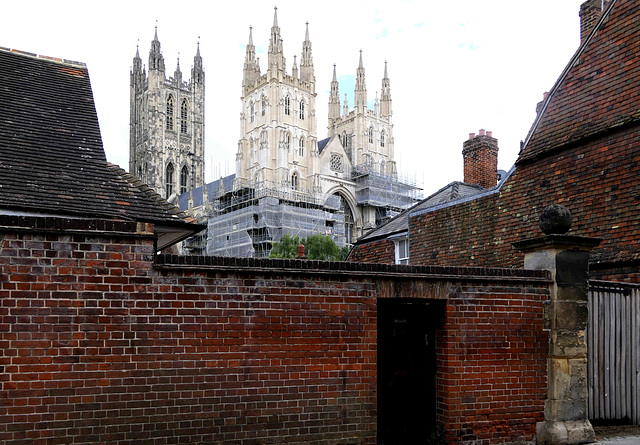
x,y
166,134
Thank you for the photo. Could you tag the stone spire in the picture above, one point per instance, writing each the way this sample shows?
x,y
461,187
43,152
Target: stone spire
x,y
294,69
306,61
251,70
334,102
156,61
345,107
276,57
385,97
361,88
197,72
177,75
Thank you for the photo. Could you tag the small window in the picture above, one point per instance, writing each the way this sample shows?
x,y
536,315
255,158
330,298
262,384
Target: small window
x,y
301,147
302,109
184,117
371,135
170,113
263,102
382,139
169,181
184,178
287,105
335,163
252,112
294,181
402,251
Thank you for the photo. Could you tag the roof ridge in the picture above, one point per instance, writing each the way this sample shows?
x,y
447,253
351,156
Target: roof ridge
x,y
563,76
43,57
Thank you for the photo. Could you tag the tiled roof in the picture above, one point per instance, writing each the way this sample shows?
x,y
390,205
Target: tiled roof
x,y
598,89
51,155
450,193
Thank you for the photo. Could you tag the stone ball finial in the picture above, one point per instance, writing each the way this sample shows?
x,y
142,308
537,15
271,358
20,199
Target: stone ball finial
x,y
555,220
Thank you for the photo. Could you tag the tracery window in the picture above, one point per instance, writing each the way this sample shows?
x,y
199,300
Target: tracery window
x,y
302,109
294,181
169,111
263,102
252,112
287,105
169,180
184,178
184,116
382,136
371,135
264,140
335,163
301,147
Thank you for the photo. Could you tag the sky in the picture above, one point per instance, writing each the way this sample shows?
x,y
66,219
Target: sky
x,y
455,66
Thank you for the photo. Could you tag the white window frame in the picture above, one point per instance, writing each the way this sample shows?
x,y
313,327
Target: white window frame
x,y
398,242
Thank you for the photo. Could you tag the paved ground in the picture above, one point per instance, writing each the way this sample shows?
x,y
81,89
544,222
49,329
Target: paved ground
x,y
617,435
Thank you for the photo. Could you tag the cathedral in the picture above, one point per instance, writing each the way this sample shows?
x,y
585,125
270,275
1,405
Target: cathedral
x,y
286,181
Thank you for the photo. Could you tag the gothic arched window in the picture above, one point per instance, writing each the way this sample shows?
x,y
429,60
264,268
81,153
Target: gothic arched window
x,y
264,140
263,101
184,178
287,105
252,112
344,140
371,135
184,116
382,139
295,181
301,147
302,109
170,113
169,180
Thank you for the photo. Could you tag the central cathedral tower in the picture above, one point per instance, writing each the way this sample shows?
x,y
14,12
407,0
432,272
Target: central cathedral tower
x,y
278,146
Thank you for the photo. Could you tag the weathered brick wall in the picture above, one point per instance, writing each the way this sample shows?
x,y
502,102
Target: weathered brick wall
x,y
492,367
380,251
101,344
591,180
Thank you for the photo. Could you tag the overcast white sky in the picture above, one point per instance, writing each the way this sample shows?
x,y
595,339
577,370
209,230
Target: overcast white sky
x,y
455,66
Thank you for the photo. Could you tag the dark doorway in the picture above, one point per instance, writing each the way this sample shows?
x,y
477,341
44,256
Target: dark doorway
x,y
406,370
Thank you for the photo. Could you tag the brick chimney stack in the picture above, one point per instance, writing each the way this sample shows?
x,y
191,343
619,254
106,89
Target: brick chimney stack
x,y
480,155
590,12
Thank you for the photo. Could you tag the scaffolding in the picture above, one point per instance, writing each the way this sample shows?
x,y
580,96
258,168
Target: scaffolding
x,y
247,221
387,193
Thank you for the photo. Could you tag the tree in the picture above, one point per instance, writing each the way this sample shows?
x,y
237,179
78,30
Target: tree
x,y
317,247
287,247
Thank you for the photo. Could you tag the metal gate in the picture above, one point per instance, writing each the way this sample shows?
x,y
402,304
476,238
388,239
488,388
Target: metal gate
x,y
613,341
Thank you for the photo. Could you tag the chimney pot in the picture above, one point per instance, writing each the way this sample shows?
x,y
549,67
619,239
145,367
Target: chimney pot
x,y
472,135
301,251
482,132
490,133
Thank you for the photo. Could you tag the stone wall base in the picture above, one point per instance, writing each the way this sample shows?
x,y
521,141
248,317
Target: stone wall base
x,y
568,432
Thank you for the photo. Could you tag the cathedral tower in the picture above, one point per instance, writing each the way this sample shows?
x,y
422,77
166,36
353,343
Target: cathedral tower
x,y
366,134
166,134
278,139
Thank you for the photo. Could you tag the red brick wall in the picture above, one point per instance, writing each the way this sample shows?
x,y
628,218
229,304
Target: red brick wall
x,y
101,345
492,367
480,154
380,251
592,181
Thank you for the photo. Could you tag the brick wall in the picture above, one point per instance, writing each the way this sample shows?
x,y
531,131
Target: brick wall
x,y
102,344
492,367
380,251
480,155
591,180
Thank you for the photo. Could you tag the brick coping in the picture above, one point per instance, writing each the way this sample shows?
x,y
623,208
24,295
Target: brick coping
x,y
378,270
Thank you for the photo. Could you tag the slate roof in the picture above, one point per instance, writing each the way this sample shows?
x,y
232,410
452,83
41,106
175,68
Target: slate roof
x,y
212,189
51,156
321,144
400,223
601,90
